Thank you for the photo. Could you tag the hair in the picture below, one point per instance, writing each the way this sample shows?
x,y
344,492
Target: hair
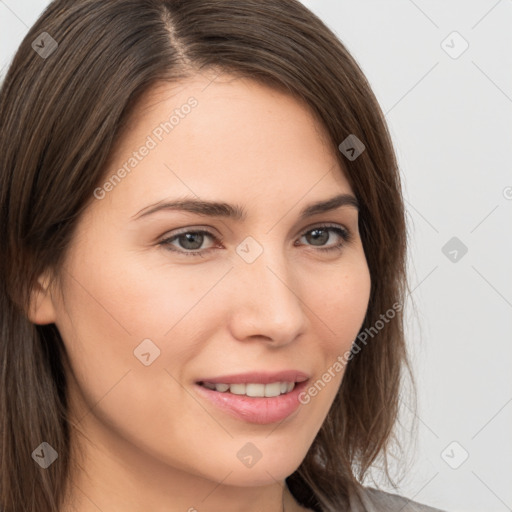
x,y
60,120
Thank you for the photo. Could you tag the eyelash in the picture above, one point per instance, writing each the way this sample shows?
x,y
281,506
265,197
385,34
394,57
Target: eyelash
x,y
344,233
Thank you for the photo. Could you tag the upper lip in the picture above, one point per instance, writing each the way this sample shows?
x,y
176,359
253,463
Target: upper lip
x,y
259,377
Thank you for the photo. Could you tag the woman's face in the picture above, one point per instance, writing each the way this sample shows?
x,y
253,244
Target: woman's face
x,y
147,311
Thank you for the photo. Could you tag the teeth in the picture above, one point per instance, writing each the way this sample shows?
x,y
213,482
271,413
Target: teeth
x,y
273,389
237,389
253,389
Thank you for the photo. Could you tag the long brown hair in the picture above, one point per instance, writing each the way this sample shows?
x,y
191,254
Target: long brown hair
x,y
63,109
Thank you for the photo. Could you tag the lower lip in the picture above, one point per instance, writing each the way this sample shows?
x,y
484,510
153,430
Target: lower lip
x,y
260,410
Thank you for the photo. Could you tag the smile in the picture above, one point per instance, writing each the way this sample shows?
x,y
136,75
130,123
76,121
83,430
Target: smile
x,y
250,403
252,389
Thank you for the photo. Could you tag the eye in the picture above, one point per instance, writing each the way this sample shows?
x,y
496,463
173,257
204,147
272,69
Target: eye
x,y
190,241
321,234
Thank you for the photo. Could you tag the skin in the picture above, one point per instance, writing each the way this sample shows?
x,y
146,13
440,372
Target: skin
x,y
151,443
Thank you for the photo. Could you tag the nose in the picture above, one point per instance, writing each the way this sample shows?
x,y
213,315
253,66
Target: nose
x,y
265,300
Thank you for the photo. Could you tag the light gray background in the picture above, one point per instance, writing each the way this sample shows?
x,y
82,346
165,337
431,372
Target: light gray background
x,y
450,120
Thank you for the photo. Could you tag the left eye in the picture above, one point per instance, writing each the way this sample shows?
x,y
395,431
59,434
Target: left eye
x,y
192,240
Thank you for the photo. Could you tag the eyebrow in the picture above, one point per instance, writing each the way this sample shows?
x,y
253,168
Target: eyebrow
x,y
237,212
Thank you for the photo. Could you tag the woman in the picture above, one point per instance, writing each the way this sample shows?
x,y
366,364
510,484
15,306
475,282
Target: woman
x,y
203,263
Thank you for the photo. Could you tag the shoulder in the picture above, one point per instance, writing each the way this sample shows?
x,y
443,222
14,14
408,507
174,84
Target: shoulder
x,y
375,500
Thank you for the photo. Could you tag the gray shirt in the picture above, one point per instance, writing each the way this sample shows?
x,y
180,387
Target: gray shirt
x,y
373,500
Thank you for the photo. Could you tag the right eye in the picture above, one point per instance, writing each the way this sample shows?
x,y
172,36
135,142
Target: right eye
x,y
190,242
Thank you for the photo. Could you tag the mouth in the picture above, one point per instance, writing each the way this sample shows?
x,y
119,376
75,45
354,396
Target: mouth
x,y
251,389
253,402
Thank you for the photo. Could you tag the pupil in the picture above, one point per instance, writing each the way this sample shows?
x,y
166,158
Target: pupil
x,y
323,232
189,237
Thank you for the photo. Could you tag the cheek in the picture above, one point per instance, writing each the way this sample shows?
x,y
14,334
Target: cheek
x,y
116,311
107,310
133,297
155,295
341,302
339,306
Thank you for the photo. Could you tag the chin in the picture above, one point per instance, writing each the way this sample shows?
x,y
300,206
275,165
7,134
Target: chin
x,y
233,466
257,476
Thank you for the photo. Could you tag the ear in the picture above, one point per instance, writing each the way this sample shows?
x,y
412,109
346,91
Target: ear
x,y
41,308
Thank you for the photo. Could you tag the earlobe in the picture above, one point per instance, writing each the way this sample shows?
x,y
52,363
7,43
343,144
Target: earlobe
x,y
41,308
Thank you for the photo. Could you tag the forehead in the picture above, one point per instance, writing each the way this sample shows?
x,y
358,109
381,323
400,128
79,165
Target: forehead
x,y
245,111
222,137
